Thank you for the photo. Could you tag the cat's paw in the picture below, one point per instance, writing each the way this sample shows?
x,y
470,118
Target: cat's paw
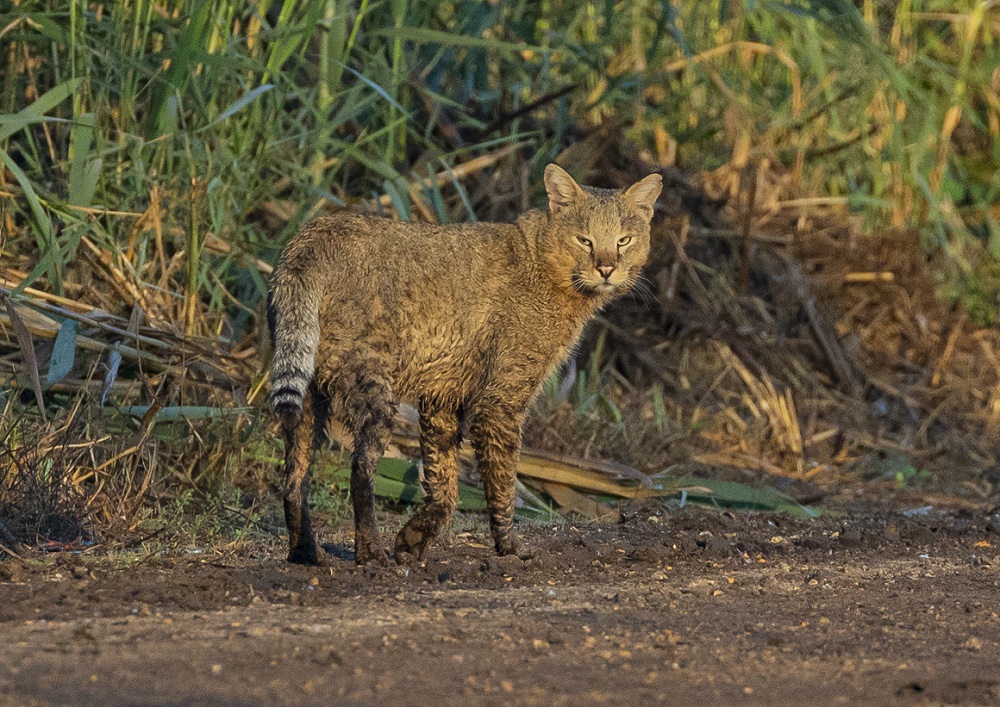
x,y
367,551
411,544
419,533
304,553
506,544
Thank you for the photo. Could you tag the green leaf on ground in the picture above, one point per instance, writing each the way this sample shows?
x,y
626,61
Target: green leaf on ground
x,y
180,413
731,494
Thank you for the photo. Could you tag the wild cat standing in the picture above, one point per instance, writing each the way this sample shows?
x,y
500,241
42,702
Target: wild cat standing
x,y
464,321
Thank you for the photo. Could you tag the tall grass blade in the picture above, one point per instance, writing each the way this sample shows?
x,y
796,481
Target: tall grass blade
x,y
84,173
35,113
183,57
240,103
45,235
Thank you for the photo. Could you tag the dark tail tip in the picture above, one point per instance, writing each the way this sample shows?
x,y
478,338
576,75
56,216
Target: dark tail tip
x,y
287,403
288,408
289,415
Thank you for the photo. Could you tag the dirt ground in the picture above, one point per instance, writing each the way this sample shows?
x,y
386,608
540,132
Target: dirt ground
x,y
696,607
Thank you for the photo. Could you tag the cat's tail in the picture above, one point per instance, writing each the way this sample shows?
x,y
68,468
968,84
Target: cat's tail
x,y
293,318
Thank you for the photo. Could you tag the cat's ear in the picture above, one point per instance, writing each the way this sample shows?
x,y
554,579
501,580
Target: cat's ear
x,y
563,191
644,193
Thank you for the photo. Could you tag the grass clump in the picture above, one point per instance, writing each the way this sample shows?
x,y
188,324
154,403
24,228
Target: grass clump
x,y
94,477
38,496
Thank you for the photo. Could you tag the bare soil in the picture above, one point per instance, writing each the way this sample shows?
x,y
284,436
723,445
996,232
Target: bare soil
x,y
697,607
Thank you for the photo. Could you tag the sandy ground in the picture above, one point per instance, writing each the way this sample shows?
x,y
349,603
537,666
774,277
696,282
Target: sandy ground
x,y
696,608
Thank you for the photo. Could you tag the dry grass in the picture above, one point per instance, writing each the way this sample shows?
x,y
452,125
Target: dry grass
x,y
798,346
794,324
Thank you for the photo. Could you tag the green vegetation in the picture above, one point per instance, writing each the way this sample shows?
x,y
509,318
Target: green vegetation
x,y
157,130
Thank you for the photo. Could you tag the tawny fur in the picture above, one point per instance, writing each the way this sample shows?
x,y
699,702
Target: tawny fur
x,y
464,321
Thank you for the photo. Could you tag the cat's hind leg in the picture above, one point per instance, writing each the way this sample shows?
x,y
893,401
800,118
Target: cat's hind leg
x,y
303,433
369,407
440,438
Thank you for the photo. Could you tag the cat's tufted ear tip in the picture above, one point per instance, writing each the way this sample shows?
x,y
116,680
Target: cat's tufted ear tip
x,y
644,193
562,189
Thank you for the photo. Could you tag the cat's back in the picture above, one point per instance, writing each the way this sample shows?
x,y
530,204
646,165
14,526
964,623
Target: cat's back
x,y
415,268
351,237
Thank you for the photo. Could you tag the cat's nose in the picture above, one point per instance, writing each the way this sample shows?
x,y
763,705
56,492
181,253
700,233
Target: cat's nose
x,y
605,270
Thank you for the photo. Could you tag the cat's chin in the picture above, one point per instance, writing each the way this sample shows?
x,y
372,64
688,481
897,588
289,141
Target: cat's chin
x,y
596,289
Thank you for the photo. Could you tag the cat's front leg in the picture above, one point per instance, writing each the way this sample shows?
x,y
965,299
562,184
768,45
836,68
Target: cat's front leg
x,y
440,438
495,428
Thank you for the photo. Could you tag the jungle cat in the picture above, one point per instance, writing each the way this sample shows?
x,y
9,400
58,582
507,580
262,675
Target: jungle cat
x,y
464,321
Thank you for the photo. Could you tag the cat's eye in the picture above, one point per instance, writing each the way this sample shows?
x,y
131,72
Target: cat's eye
x,y
624,241
585,242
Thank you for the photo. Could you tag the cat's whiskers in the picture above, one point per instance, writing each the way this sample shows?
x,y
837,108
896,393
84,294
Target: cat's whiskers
x,y
644,289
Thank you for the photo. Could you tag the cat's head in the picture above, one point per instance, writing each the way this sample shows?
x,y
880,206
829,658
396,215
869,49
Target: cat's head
x,y
598,239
